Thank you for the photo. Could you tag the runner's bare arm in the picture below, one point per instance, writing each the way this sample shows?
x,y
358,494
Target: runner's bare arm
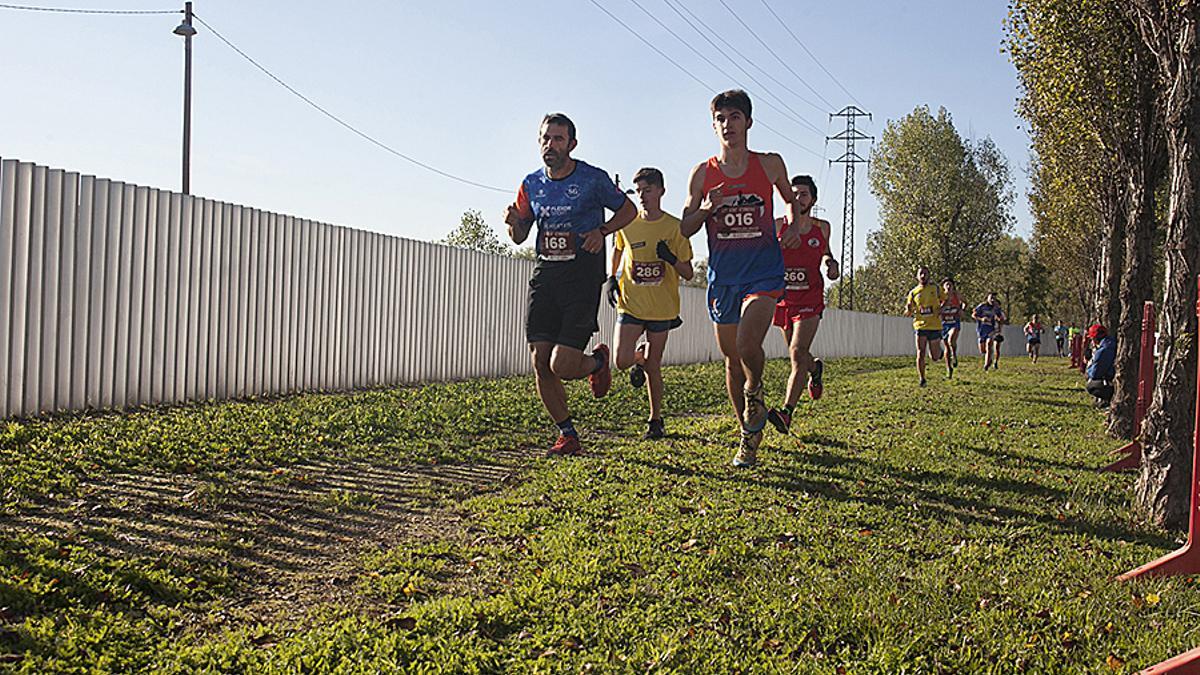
x,y
698,206
831,265
616,262
593,240
518,227
776,172
685,269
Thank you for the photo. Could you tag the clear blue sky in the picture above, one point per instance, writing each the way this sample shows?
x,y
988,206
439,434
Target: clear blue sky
x,y
463,84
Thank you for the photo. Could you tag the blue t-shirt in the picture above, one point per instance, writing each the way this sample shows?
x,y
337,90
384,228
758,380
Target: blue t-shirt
x,y
565,209
1101,367
989,315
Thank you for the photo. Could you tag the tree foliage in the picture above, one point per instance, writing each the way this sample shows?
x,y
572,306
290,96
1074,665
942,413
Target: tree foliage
x,y
944,201
474,233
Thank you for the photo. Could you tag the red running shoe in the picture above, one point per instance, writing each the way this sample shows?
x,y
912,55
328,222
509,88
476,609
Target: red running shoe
x,y
567,446
601,380
815,386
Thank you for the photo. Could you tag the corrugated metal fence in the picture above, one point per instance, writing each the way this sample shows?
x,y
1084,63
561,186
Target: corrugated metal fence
x,y
114,295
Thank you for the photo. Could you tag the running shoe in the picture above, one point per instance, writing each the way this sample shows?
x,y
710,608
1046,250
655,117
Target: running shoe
x,y
923,383
754,418
567,446
780,419
601,380
654,429
637,376
747,454
816,384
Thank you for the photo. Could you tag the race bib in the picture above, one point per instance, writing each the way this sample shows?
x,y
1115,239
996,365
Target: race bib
x,y
796,278
926,311
737,222
557,246
649,273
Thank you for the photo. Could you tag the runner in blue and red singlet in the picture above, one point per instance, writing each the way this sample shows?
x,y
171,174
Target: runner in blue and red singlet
x,y
799,312
731,196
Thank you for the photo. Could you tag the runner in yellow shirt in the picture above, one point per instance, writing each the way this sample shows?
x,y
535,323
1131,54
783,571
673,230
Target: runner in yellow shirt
x,y
650,255
924,306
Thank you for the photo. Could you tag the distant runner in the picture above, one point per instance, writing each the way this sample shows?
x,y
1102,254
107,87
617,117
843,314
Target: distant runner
x,y
989,319
1033,337
1060,336
730,195
924,306
567,199
798,313
952,310
649,257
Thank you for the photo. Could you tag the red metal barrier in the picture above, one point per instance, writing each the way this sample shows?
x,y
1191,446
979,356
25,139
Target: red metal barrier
x,y
1187,663
1187,559
1083,354
1076,351
1145,390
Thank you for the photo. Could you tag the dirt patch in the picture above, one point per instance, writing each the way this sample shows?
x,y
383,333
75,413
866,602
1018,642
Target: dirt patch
x,y
288,540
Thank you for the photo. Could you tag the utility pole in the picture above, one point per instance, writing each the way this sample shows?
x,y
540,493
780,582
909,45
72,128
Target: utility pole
x,y
850,158
186,31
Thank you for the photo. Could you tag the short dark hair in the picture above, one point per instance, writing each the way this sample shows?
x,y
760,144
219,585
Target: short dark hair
x,y
561,120
650,175
948,280
797,181
734,98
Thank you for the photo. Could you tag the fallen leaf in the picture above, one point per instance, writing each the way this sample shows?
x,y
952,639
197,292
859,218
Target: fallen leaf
x,y
1114,662
1152,599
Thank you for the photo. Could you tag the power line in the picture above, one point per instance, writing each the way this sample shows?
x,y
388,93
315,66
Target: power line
x,y
345,124
721,70
810,54
68,10
772,53
735,50
689,73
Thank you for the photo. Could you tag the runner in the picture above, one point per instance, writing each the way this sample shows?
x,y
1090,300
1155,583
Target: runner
x,y
649,257
924,306
798,313
566,198
1060,336
1033,338
988,322
952,309
730,196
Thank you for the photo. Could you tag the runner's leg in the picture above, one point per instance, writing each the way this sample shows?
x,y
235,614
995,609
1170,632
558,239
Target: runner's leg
x,y
757,312
625,339
921,342
569,363
657,344
800,349
549,385
735,377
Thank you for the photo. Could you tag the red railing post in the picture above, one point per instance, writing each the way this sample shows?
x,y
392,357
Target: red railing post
x,y
1145,389
1074,346
1185,560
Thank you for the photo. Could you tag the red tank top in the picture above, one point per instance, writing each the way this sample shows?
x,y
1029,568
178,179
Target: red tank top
x,y
802,266
742,247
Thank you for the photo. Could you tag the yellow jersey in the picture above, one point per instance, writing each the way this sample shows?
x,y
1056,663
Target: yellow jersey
x,y
926,304
649,286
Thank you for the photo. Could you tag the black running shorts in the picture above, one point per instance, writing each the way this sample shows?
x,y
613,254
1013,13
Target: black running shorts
x,y
562,309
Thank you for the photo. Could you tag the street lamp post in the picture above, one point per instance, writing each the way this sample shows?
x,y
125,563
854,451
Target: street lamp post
x,y
186,30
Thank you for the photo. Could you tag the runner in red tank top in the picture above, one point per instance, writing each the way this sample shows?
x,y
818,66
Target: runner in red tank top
x,y
798,313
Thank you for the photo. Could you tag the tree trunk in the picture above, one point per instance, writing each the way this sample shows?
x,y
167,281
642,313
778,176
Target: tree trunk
x,y
1112,243
1142,163
1163,493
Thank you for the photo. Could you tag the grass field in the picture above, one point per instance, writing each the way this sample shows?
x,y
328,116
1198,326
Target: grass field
x,y
957,528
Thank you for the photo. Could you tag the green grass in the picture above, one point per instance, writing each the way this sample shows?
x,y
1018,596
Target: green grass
x,y
958,528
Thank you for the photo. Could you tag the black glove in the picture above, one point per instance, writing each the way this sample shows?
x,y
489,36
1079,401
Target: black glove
x,y
612,290
664,252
